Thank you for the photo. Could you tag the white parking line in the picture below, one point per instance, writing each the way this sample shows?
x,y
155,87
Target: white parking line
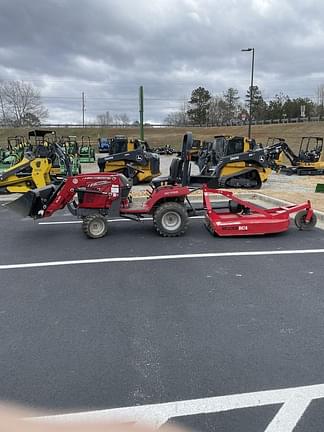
x,y
78,222
159,258
109,220
295,401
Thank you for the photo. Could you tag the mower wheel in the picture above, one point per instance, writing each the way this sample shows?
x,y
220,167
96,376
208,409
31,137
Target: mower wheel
x,y
302,224
95,226
170,219
235,207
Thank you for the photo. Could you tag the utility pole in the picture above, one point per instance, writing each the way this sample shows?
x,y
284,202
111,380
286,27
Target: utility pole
x,y
83,109
251,88
141,111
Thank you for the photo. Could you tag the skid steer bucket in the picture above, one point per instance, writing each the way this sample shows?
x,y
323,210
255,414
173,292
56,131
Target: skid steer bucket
x,y
31,202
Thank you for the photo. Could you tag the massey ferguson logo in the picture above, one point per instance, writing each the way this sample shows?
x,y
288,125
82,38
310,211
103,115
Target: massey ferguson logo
x,y
261,158
139,157
97,184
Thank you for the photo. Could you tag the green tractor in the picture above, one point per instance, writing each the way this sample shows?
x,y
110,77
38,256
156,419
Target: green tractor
x,y
87,153
13,153
70,147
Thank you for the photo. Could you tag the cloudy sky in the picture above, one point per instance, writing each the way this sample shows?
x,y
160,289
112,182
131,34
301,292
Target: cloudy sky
x,y
108,48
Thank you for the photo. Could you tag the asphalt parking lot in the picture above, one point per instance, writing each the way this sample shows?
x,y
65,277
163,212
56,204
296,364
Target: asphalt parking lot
x,y
98,324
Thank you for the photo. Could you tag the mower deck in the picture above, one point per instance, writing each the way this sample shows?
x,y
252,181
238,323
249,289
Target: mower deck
x,y
245,218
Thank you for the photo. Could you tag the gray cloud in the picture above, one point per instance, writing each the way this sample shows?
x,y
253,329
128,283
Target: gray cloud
x,y
107,48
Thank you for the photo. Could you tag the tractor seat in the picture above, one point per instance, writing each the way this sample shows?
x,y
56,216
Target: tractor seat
x,y
173,177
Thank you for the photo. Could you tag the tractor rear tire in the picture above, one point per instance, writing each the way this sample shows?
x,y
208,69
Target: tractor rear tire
x,y
302,224
170,219
95,226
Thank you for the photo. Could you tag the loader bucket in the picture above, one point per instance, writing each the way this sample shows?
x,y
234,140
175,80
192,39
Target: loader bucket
x,y
31,202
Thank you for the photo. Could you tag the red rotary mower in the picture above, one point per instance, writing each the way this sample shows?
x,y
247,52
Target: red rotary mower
x,y
97,196
244,218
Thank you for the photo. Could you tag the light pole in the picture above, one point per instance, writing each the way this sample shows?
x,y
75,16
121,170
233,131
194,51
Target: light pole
x,y
251,89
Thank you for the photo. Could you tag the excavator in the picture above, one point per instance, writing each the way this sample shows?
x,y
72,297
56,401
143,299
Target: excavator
x,y
236,162
35,169
308,161
132,158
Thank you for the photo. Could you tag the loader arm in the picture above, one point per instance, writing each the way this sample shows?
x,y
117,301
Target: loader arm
x,y
291,156
274,151
94,190
136,156
61,197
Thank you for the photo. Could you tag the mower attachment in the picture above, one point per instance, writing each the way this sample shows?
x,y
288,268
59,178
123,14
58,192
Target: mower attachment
x,y
243,218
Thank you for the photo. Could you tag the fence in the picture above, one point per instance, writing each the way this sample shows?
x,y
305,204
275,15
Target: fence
x,y
216,124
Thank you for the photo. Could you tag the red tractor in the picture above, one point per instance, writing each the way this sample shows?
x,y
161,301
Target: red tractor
x,y
95,197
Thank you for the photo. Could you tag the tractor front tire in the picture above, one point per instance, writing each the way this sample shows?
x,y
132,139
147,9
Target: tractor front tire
x,y
95,226
302,224
170,219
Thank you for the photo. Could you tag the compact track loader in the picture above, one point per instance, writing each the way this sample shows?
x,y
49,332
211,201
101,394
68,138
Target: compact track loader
x,y
132,158
236,162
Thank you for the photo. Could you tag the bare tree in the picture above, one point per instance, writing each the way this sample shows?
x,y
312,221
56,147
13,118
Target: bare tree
x,y
123,119
105,119
178,118
21,104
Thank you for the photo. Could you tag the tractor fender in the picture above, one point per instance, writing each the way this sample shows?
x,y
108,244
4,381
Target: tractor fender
x,y
166,193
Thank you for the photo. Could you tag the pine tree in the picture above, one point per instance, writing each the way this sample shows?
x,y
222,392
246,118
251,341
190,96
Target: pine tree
x,y
199,106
